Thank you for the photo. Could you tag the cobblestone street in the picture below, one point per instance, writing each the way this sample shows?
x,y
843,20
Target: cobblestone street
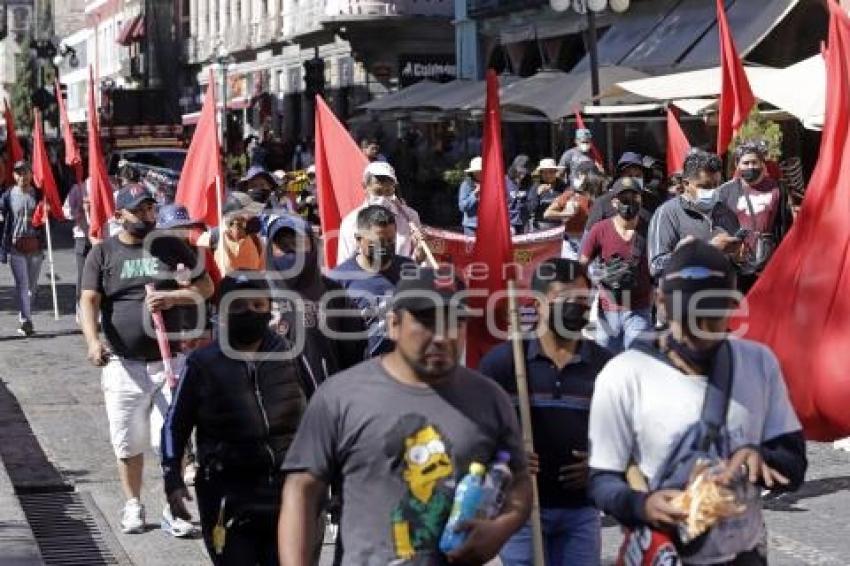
x,y
64,441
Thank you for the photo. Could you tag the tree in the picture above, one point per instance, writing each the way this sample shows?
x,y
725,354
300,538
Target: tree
x,y
23,88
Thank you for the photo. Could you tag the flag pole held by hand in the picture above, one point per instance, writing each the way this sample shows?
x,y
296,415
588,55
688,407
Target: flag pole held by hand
x,y
50,262
162,340
421,243
525,417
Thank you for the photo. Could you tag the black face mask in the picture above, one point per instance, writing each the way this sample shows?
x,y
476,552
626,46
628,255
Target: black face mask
x,y
701,359
751,175
628,210
567,318
247,327
259,195
380,254
139,229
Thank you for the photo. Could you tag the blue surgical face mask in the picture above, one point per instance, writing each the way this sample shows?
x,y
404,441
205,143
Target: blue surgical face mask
x,y
284,262
706,198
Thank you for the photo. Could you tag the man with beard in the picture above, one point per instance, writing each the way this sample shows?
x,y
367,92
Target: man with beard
x,y
561,368
313,308
243,396
397,431
115,277
371,276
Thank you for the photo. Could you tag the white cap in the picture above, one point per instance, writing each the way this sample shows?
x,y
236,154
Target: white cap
x,y
311,170
548,163
476,165
380,169
280,175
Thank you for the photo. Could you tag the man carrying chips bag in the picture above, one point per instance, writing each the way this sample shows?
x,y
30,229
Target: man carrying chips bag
x,y
706,419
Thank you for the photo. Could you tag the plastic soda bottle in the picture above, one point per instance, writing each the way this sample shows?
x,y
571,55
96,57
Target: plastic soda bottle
x,y
466,506
496,484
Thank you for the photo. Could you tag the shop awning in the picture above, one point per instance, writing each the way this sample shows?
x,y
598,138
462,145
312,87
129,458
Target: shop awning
x,y
132,31
556,94
404,98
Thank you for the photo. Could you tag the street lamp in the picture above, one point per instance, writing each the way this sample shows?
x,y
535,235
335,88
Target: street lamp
x,y
223,59
590,8
66,50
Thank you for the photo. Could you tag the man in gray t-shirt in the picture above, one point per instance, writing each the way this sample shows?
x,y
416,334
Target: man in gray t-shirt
x,y
399,432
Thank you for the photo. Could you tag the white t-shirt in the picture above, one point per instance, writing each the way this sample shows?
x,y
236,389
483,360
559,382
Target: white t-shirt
x,y
347,245
641,407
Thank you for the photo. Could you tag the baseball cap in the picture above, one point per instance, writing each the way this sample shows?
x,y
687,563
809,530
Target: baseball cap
x,y
22,165
131,196
238,202
244,281
697,268
428,288
174,216
311,170
629,158
380,169
624,184
257,171
583,134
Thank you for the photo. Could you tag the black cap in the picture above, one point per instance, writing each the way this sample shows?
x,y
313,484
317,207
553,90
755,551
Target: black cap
x,y
21,165
244,281
426,288
132,195
697,268
624,184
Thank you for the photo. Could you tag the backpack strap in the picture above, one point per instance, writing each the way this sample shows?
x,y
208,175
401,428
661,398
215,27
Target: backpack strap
x,y
718,394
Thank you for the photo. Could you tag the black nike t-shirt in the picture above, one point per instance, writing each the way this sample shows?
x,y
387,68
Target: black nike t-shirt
x,y
119,272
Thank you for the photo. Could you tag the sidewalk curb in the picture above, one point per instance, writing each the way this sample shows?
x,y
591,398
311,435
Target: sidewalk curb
x,y
17,542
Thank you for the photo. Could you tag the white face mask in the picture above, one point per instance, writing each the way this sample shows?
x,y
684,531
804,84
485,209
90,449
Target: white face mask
x,y
584,147
385,201
577,183
639,181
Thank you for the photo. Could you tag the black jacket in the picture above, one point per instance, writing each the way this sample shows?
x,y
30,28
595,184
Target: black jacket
x,y
245,413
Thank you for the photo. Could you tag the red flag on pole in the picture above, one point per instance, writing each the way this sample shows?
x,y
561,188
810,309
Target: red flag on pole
x,y
594,151
101,200
42,176
678,145
736,96
13,145
493,244
73,159
339,170
201,176
800,306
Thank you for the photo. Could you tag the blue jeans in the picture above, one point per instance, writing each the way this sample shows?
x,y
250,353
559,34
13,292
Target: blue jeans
x,y
25,271
570,537
617,330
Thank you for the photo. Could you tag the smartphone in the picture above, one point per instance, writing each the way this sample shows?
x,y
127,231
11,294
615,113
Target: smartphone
x,y
743,233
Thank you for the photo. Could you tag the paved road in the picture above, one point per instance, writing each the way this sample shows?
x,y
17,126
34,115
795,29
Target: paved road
x,y
66,440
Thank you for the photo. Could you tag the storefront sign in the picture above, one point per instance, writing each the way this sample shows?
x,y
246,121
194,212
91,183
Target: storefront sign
x,y
415,68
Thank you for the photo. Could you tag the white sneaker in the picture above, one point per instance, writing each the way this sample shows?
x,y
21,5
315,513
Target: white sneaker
x,y
175,526
190,473
133,518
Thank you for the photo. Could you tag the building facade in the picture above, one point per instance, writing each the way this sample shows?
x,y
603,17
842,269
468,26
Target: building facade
x,y
16,20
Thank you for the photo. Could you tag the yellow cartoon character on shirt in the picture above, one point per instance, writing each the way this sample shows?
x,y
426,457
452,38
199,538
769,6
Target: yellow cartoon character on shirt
x,y
419,517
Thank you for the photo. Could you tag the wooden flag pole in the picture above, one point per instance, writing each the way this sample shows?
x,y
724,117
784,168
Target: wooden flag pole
x,y
525,418
429,255
50,260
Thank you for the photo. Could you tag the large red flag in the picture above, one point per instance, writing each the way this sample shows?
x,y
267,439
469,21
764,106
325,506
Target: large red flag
x,y
800,306
14,151
493,244
102,202
339,171
42,176
736,96
678,145
201,173
594,151
73,159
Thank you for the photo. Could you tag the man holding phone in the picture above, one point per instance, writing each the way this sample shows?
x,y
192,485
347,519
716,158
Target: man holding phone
x,y
562,367
697,214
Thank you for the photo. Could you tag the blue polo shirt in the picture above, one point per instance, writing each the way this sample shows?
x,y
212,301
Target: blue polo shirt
x,y
560,408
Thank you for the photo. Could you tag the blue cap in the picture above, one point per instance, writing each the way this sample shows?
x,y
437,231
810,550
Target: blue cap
x,y
630,158
583,134
174,216
131,196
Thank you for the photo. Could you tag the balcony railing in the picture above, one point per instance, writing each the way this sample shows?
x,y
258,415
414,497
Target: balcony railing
x,y
483,8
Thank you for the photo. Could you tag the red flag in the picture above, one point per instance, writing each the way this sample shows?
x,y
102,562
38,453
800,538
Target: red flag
x,y
72,152
594,151
736,96
13,145
800,306
42,176
493,245
196,189
102,202
339,170
678,145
